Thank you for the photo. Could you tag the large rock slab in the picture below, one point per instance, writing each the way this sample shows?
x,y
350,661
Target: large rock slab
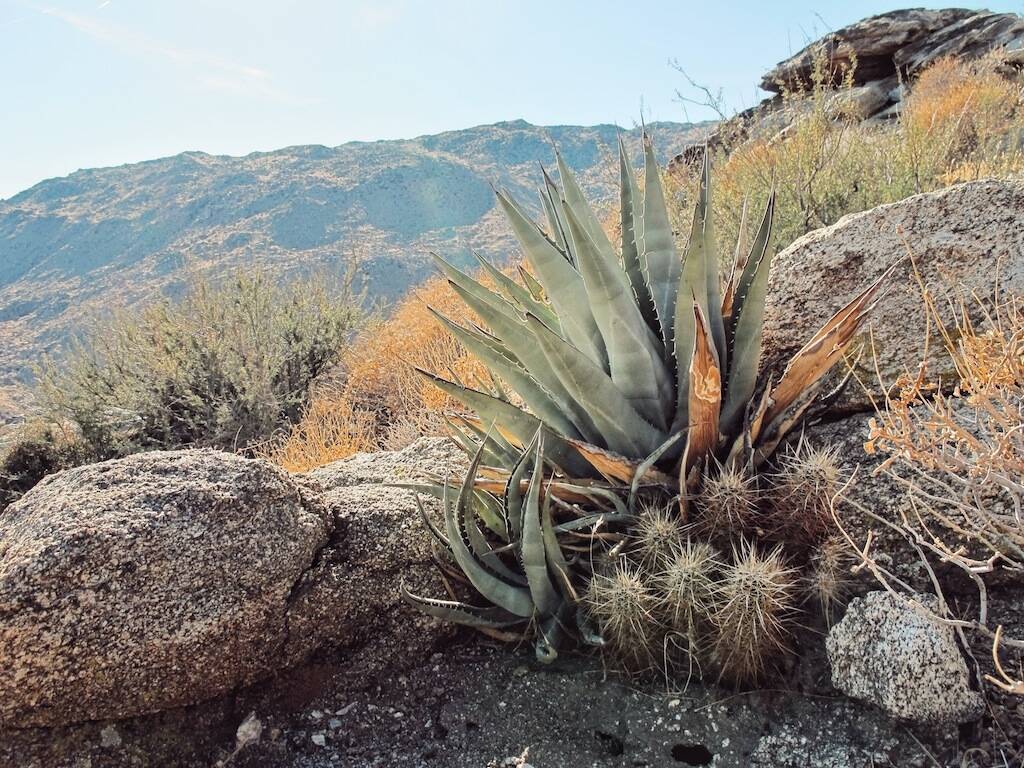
x,y
965,238
170,578
147,583
903,661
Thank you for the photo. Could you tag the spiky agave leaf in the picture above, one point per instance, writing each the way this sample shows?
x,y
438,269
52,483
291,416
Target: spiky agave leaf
x,y
634,353
562,284
746,324
658,256
629,198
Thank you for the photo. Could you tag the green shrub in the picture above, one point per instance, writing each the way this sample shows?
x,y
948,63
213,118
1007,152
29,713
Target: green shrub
x,y
224,367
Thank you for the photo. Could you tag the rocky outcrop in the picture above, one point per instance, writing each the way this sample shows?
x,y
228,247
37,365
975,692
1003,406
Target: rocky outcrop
x,y
899,44
889,51
968,238
903,661
168,578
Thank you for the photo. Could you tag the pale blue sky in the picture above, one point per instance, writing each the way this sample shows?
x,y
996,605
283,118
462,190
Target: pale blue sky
x,y
88,83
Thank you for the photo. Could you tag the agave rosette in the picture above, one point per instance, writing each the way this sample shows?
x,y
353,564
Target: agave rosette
x,y
632,367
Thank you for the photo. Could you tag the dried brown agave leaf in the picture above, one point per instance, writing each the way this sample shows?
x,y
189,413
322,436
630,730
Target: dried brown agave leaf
x,y
614,466
705,396
824,349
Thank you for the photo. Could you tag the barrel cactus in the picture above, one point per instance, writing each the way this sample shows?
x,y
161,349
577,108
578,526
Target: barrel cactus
x,y
620,379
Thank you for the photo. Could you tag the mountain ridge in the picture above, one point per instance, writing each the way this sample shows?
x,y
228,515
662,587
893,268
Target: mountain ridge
x,y
77,246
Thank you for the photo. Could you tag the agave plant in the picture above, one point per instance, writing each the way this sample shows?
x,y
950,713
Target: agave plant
x,y
520,563
635,368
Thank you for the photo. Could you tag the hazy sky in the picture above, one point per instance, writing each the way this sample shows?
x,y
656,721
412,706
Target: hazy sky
x,y
88,83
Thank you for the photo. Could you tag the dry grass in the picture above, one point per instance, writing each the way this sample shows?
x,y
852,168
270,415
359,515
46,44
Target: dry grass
x,y
964,452
381,401
961,121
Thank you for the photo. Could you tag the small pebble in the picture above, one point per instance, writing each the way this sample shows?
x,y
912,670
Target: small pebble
x,y
319,739
109,737
334,723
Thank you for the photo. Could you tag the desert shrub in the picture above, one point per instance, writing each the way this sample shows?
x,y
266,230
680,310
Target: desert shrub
x,y
965,450
36,450
224,367
380,401
957,448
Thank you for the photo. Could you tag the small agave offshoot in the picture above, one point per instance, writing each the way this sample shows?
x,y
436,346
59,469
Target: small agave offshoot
x,y
616,374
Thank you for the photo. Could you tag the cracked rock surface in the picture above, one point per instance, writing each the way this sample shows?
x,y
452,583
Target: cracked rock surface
x,y
904,662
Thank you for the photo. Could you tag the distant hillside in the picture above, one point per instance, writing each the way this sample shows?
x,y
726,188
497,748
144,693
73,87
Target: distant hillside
x,y
79,245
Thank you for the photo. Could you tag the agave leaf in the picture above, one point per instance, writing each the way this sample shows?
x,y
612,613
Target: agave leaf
x,y
514,599
557,563
549,636
617,467
536,289
712,297
739,261
532,393
743,446
515,334
747,336
629,197
462,613
562,284
573,196
517,294
490,513
692,287
478,542
469,284
434,530
824,349
658,257
588,633
514,495
647,466
544,594
705,395
634,353
622,427
513,424
758,248
549,199
497,450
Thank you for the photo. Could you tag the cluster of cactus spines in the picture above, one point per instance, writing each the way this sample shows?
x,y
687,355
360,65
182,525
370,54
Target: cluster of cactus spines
x,y
728,500
686,585
803,486
827,580
656,532
754,600
626,609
